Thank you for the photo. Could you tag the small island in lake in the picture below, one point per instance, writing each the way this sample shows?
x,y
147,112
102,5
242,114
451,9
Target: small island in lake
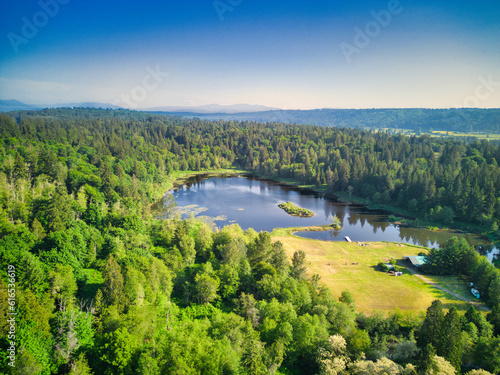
x,y
294,210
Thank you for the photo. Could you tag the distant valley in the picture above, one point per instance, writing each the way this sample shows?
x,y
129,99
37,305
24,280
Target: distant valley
x,y
416,120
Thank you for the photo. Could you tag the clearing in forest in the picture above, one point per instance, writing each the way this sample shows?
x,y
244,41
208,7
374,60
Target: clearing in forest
x,y
349,266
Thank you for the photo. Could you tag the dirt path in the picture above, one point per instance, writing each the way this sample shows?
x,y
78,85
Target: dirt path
x,y
426,280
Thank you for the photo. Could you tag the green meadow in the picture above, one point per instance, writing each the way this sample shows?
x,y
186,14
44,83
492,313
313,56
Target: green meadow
x,y
349,266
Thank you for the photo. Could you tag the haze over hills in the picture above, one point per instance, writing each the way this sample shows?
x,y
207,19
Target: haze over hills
x,y
15,105
213,108
415,119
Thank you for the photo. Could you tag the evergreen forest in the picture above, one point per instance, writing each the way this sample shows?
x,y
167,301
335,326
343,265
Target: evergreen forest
x,y
109,280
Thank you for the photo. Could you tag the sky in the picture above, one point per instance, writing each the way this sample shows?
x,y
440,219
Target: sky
x,y
285,54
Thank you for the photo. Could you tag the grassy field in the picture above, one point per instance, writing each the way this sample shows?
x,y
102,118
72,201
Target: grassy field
x,y
444,133
349,266
458,285
437,133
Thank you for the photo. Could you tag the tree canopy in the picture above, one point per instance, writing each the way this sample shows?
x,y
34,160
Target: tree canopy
x,y
107,285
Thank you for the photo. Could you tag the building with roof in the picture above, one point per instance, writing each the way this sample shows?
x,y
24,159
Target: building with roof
x,y
417,261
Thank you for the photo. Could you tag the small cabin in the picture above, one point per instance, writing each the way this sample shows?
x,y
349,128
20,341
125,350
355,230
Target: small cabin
x,y
416,261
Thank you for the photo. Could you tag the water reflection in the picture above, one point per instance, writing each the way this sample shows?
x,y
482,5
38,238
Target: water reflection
x,y
253,203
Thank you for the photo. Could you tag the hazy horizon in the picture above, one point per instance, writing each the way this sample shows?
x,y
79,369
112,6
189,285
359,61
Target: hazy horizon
x,y
328,54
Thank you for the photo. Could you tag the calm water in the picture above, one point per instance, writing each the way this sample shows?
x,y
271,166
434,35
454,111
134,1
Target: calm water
x,y
253,203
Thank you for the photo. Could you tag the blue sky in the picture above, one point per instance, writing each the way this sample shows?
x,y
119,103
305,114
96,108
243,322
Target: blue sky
x,y
287,54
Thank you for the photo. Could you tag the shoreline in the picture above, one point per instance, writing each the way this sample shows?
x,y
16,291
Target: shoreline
x,y
412,221
313,228
340,197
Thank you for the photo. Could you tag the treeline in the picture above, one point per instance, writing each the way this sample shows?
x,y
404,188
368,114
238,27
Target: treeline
x,y
415,119
456,257
104,287
442,180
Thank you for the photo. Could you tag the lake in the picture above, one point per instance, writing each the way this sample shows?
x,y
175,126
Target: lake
x,y
253,203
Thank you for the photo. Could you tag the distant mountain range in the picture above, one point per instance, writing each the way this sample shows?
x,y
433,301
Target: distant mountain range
x,y
414,119
213,108
15,105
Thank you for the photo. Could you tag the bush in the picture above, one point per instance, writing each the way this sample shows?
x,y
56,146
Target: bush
x,y
383,267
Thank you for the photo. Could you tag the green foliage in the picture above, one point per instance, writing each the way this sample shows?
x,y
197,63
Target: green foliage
x,y
118,350
113,287
494,318
80,366
204,240
299,268
261,249
229,281
430,331
487,354
383,267
206,288
443,215
191,349
484,326
451,345
294,210
33,273
455,257
358,342
62,285
279,258
58,211
427,363
347,298
107,285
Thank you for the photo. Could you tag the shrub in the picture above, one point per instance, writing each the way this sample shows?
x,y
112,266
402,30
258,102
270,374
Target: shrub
x,y
383,267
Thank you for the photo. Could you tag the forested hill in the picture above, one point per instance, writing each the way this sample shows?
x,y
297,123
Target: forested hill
x,y
446,180
458,120
414,119
103,286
